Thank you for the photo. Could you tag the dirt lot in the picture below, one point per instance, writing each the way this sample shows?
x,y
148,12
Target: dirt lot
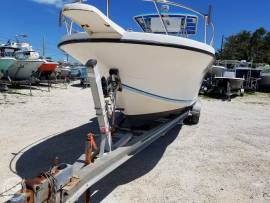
x,y
226,158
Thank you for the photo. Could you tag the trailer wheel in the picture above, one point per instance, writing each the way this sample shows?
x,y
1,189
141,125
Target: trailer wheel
x,y
194,117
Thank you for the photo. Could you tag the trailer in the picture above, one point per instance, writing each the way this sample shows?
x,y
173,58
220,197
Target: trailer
x,y
103,153
5,83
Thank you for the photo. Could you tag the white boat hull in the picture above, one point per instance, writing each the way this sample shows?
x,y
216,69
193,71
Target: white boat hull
x,y
24,69
160,73
155,78
235,83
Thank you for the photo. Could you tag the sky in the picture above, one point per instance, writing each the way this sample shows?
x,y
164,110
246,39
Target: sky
x,y
39,18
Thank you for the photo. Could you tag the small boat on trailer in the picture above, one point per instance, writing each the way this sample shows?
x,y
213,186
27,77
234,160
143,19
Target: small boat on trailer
x,y
229,85
160,67
222,81
244,69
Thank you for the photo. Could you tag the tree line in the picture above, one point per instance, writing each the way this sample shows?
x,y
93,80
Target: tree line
x,y
246,45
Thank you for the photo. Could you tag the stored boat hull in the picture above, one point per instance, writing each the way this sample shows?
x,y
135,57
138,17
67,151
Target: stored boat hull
x,y
156,77
47,67
235,83
5,64
24,69
159,73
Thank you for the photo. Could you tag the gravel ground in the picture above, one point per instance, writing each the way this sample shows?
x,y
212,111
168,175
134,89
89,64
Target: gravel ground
x,y
226,158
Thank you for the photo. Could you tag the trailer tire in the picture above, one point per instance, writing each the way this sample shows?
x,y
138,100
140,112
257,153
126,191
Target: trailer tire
x,y
192,119
195,113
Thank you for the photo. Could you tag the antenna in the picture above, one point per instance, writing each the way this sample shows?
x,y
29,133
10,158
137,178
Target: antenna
x,y
108,8
61,19
207,22
20,36
209,15
79,1
222,44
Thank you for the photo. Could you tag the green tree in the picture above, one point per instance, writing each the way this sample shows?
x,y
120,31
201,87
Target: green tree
x,y
248,46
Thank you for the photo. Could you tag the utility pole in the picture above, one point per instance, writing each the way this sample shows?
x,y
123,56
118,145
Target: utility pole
x,y
222,43
43,47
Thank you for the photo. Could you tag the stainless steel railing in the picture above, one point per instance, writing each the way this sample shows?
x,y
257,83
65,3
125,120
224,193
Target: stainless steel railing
x,y
207,17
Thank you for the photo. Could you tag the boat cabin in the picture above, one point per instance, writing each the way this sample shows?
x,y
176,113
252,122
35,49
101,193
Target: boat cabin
x,y
27,55
246,72
7,51
168,23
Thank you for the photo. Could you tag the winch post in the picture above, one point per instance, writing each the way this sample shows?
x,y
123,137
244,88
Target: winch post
x,y
100,107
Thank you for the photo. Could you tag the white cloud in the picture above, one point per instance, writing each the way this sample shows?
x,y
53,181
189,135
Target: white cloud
x,y
57,3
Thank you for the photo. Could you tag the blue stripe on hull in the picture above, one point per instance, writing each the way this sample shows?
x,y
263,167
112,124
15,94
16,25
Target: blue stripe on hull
x,y
132,89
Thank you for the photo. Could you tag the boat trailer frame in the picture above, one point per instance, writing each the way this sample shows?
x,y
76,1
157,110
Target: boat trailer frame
x,y
67,183
30,84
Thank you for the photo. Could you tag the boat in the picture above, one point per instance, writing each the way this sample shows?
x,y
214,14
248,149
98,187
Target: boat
x,y
27,62
244,69
6,59
47,68
63,70
79,72
251,75
217,71
161,68
223,81
208,84
264,83
229,83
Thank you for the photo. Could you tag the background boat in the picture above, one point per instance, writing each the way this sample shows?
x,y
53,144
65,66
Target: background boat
x,y
79,72
5,64
63,70
229,83
6,58
223,82
27,63
47,68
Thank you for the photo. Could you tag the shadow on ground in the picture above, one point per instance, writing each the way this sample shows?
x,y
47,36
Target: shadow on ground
x,y
264,90
218,97
136,167
69,145
81,86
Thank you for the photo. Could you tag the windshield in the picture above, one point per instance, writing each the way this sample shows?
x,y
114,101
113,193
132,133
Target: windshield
x,y
7,52
176,24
